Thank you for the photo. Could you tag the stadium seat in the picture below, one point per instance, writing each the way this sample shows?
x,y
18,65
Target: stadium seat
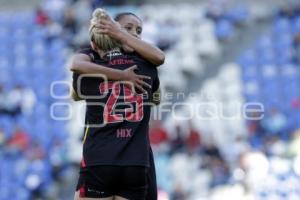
x,y
224,29
238,14
296,25
281,25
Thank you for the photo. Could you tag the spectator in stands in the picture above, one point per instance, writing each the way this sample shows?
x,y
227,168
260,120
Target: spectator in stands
x,y
3,102
193,140
70,25
83,10
13,100
256,131
114,2
54,9
168,34
289,9
54,30
219,171
275,123
237,148
2,138
97,3
58,159
150,31
41,17
178,193
28,100
294,144
297,41
81,39
20,100
216,9
177,143
19,141
157,133
210,150
35,151
275,146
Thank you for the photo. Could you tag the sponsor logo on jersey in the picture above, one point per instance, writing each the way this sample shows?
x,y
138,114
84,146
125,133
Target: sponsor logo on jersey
x,y
122,62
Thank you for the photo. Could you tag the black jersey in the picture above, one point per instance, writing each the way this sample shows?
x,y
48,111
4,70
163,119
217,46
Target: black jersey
x,y
117,119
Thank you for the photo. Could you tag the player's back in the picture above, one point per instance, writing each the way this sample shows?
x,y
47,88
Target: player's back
x,y
117,118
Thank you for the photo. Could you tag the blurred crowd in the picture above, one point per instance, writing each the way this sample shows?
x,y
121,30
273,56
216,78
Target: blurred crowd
x,y
16,101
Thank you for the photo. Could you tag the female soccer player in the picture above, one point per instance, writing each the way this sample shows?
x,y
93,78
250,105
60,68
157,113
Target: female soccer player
x,y
131,38
133,25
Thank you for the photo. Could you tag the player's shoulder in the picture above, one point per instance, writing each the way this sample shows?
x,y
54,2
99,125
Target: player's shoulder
x,y
139,59
89,52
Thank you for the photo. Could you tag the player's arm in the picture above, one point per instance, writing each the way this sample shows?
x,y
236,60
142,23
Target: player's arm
x,y
148,51
81,63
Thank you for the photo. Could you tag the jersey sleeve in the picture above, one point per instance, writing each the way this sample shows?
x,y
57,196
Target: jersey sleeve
x,y
75,76
142,58
89,52
74,81
80,85
78,89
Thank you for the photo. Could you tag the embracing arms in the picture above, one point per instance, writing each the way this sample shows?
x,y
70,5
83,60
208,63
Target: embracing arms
x,y
81,64
151,53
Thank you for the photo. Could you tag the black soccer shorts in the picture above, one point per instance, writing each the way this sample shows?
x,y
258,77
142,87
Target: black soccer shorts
x,y
105,181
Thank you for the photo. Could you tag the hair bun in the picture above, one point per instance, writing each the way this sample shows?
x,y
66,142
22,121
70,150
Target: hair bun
x,y
99,13
102,41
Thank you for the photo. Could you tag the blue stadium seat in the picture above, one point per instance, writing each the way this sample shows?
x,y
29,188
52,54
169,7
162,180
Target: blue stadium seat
x,y
38,49
238,14
4,34
19,35
250,74
281,25
248,58
22,19
38,33
6,123
264,41
285,41
266,57
22,194
20,66
20,49
296,26
5,19
61,89
224,29
24,123
5,193
4,75
56,48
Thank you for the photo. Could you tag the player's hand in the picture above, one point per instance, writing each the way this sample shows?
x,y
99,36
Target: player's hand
x,y
110,27
136,80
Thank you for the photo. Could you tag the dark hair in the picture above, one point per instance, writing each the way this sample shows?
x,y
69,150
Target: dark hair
x,y
119,16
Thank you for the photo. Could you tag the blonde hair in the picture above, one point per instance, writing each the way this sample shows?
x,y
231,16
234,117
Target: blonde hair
x,y
102,41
